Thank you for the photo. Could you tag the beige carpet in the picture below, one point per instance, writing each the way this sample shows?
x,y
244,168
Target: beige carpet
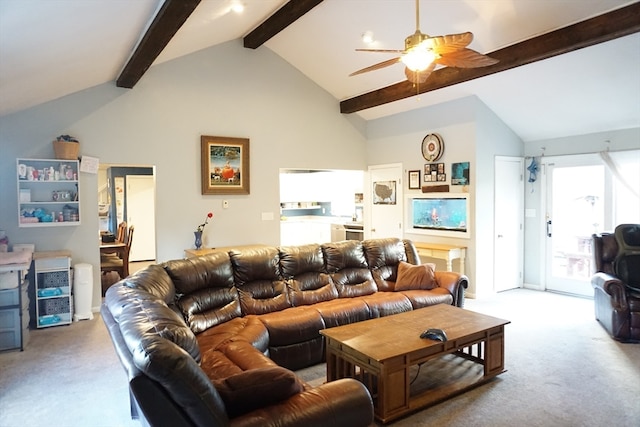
x,y
563,370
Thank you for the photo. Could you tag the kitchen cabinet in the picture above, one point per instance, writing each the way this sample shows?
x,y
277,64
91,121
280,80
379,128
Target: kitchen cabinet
x,y
302,232
48,192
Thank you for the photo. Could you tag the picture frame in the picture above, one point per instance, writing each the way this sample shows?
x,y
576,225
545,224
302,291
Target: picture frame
x,y
384,193
434,172
414,180
225,165
460,173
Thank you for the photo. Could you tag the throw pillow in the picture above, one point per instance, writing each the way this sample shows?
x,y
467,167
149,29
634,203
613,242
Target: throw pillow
x,y
412,277
257,388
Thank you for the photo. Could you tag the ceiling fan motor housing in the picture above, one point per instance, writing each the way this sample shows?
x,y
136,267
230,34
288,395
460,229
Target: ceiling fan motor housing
x,y
414,40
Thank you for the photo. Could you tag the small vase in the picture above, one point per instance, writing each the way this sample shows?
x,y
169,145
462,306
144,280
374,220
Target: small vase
x,y
198,242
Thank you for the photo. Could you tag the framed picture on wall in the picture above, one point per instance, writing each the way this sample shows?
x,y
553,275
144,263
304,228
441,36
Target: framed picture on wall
x,y
225,165
384,193
460,173
414,180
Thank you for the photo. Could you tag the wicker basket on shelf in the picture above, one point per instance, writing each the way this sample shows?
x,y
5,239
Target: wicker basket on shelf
x,y
65,150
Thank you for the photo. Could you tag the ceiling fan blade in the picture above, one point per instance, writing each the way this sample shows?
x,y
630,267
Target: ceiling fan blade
x,y
419,76
377,66
450,43
465,58
380,50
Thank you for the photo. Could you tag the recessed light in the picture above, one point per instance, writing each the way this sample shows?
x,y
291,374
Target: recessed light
x,y
237,7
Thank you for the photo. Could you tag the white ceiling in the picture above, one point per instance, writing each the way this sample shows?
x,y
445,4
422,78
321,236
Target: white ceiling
x,y
51,48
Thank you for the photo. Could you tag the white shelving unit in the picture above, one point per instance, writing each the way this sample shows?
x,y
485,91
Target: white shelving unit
x,y
53,288
48,192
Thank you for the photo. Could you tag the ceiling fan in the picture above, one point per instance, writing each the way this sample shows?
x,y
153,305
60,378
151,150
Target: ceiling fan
x,y
422,53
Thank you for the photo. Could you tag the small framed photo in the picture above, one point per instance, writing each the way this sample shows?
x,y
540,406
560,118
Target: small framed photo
x,y
414,180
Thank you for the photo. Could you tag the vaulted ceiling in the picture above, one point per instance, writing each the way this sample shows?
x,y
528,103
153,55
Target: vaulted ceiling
x,y
566,67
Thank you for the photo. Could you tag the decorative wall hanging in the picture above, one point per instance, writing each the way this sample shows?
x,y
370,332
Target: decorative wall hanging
x,y
225,165
384,193
460,173
414,180
432,147
434,172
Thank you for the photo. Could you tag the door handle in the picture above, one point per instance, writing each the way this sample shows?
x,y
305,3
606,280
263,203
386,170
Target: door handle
x,y
373,230
549,228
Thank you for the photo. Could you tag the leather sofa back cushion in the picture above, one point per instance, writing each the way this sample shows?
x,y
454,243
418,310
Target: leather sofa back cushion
x,y
303,269
413,277
384,252
341,255
208,296
257,388
155,281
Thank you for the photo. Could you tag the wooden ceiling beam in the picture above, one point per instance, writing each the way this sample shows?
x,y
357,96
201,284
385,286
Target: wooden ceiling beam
x,y
171,16
285,16
609,26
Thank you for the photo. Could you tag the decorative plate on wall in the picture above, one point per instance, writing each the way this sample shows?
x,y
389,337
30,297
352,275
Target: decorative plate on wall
x,y
432,147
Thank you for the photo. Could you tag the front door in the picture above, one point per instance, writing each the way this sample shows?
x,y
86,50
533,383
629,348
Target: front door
x,y
385,201
575,200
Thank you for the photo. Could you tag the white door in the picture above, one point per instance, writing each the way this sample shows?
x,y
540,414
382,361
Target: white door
x,y
575,200
385,201
508,223
140,205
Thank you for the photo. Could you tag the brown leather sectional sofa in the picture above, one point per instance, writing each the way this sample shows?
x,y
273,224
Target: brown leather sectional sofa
x,y
211,341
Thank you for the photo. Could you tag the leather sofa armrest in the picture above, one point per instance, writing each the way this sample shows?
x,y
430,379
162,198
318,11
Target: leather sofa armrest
x,y
455,283
611,286
344,402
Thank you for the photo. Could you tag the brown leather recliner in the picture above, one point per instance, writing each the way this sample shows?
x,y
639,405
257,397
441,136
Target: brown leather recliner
x,y
615,282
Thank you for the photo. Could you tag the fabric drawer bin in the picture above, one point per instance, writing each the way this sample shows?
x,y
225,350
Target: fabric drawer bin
x,y
9,297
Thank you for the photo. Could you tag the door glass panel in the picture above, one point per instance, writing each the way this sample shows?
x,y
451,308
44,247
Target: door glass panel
x,y
577,213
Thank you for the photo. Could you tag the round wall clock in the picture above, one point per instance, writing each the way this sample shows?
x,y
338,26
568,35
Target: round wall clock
x,y
432,147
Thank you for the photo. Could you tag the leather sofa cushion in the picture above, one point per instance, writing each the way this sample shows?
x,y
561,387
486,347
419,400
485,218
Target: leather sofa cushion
x,y
155,281
293,325
248,329
342,311
386,303
303,269
341,255
383,252
424,298
208,295
413,277
257,388
257,277
354,282
144,320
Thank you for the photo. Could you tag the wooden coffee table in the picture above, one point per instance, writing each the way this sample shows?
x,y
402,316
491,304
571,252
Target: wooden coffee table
x,y
404,372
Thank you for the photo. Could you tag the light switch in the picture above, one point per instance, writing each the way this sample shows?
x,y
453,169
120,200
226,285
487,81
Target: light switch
x,y
225,204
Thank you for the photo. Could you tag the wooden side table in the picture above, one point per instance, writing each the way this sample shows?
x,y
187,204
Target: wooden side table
x,y
442,251
191,253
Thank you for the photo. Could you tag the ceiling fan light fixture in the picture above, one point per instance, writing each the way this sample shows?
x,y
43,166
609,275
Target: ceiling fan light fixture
x,y
418,58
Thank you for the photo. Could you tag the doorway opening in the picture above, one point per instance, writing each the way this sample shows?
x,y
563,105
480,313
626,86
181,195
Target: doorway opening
x,y
126,194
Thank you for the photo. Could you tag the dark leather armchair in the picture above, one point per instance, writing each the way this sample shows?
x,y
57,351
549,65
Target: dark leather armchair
x,y
616,290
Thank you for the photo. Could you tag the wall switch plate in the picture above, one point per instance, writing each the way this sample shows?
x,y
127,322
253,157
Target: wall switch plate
x,y
225,204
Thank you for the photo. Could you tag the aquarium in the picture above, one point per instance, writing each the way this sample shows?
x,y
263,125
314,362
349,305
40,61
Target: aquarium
x,y
448,213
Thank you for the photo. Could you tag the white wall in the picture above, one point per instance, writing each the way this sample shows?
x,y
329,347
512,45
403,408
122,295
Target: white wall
x,y
472,133
225,91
